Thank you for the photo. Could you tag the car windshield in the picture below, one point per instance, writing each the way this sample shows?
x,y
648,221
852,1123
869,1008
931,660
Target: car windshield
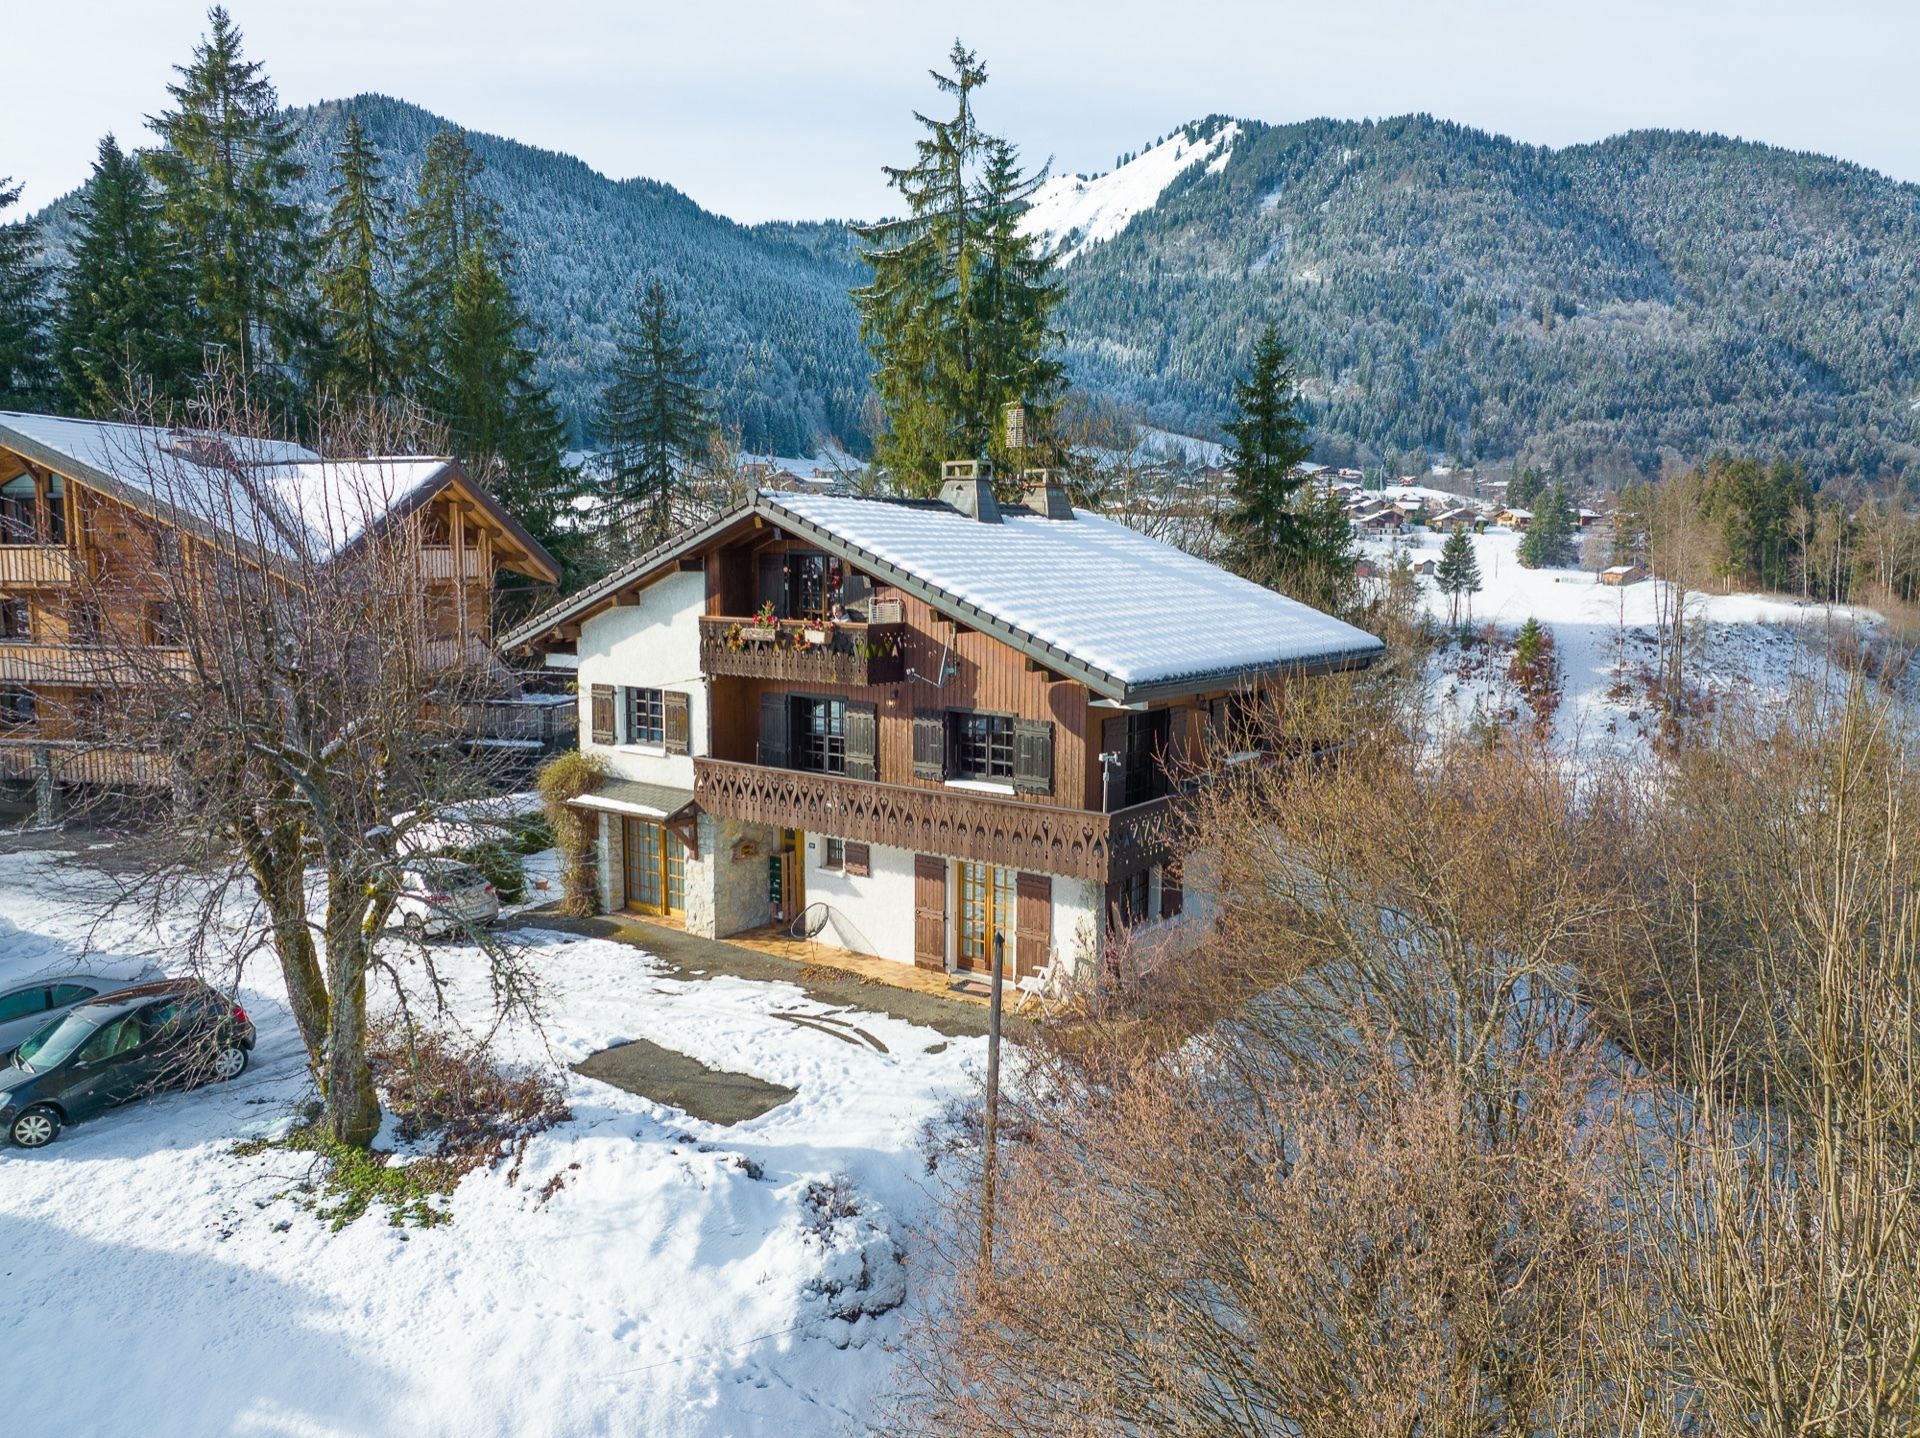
x,y
54,1043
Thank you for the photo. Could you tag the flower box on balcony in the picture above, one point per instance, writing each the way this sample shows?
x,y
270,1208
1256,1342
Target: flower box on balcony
x,y
814,636
759,633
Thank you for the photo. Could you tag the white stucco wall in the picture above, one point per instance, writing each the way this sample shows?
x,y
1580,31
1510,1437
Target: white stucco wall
x,y
654,644
872,914
1077,905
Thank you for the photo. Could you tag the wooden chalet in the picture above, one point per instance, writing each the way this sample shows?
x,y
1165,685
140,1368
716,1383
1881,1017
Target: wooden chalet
x,y
908,726
83,498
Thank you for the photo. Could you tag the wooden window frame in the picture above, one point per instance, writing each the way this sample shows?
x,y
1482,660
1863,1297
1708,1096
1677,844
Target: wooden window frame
x,y
644,711
833,853
824,752
993,747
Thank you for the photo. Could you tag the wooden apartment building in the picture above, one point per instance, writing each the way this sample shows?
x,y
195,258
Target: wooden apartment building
x,y
82,499
912,725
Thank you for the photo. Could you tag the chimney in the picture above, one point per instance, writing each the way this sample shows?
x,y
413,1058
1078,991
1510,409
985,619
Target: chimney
x,y
967,485
1045,495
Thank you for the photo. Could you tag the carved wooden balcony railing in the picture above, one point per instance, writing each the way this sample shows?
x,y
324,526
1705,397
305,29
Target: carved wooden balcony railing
x,y
85,665
958,825
856,654
35,566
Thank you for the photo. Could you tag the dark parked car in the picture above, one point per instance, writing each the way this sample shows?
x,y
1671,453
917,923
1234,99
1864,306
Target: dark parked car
x,y
119,1046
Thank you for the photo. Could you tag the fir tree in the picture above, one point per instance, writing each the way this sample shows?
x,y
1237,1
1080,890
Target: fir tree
x,y
449,214
1548,542
355,275
1265,533
653,416
122,332
501,418
25,375
958,313
223,173
1457,573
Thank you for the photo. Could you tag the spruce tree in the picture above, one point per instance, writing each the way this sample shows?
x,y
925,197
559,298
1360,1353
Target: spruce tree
x,y
26,379
1548,542
1457,573
224,173
957,315
1266,538
355,275
502,420
122,331
448,215
653,417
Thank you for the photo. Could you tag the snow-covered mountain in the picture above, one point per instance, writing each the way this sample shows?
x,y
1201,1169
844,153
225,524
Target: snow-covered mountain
x,y
1070,215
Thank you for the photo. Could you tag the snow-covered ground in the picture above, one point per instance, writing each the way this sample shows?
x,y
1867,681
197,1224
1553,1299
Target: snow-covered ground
x,y
1747,645
1070,215
677,1282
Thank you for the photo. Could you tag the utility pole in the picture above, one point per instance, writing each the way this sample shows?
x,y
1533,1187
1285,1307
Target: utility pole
x,y
993,1103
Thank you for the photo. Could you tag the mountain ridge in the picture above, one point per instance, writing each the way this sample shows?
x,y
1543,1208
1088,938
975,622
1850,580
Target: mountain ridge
x,y
1617,304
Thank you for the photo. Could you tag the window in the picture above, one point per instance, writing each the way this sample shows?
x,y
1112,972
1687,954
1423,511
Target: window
x,y
986,909
1140,742
819,735
119,1037
17,705
983,746
19,506
163,622
65,994
20,1005
833,854
1131,896
814,581
646,716
16,619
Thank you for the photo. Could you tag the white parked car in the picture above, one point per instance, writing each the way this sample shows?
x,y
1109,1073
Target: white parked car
x,y
29,1003
441,896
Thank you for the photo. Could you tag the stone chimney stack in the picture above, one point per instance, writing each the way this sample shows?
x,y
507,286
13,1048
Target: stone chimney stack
x,y
967,485
1045,494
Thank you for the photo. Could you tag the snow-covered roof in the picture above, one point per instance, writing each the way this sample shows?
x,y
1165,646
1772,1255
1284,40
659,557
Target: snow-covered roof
x,y
1141,612
280,497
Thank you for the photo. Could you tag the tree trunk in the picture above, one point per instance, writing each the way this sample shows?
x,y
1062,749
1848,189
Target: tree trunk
x,y
280,874
352,1106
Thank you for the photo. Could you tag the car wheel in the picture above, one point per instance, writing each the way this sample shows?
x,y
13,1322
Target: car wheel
x,y
36,1128
229,1062
415,926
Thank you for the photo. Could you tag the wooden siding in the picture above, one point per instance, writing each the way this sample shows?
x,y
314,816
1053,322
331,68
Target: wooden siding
x,y
34,566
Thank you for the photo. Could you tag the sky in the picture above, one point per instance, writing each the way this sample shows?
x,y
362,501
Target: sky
x,y
776,109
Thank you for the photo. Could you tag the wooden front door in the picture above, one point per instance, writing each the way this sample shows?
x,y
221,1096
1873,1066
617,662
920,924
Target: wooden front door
x,y
986,908
656,869
929,912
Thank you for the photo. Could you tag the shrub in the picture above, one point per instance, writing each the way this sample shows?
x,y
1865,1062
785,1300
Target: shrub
x,y
564,777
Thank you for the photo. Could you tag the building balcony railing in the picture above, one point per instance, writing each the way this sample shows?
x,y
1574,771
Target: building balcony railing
x,y
803,651
88,666
436,563
66,761
35,566
1013,834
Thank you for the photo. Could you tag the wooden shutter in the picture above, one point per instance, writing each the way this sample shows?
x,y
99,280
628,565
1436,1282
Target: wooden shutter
x,y
773,582
1032,924
679,708
862,741
1033,756
929,912
930,746
773,730
856,859
1172,899
601,713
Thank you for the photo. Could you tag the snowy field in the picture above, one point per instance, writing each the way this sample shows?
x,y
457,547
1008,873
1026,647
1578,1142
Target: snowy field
x,y
1744,645
678,1281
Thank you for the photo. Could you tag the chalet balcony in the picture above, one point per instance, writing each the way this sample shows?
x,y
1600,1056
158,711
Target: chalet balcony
x,y
1007,832
35,566
803,651
83,665
437,564
66,761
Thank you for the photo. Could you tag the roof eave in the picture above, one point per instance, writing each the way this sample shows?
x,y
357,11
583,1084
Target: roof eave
x,y
1345,661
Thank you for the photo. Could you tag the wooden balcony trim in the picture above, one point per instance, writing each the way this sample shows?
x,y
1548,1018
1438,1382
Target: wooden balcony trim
x,y
1036,838
86,666
838,662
